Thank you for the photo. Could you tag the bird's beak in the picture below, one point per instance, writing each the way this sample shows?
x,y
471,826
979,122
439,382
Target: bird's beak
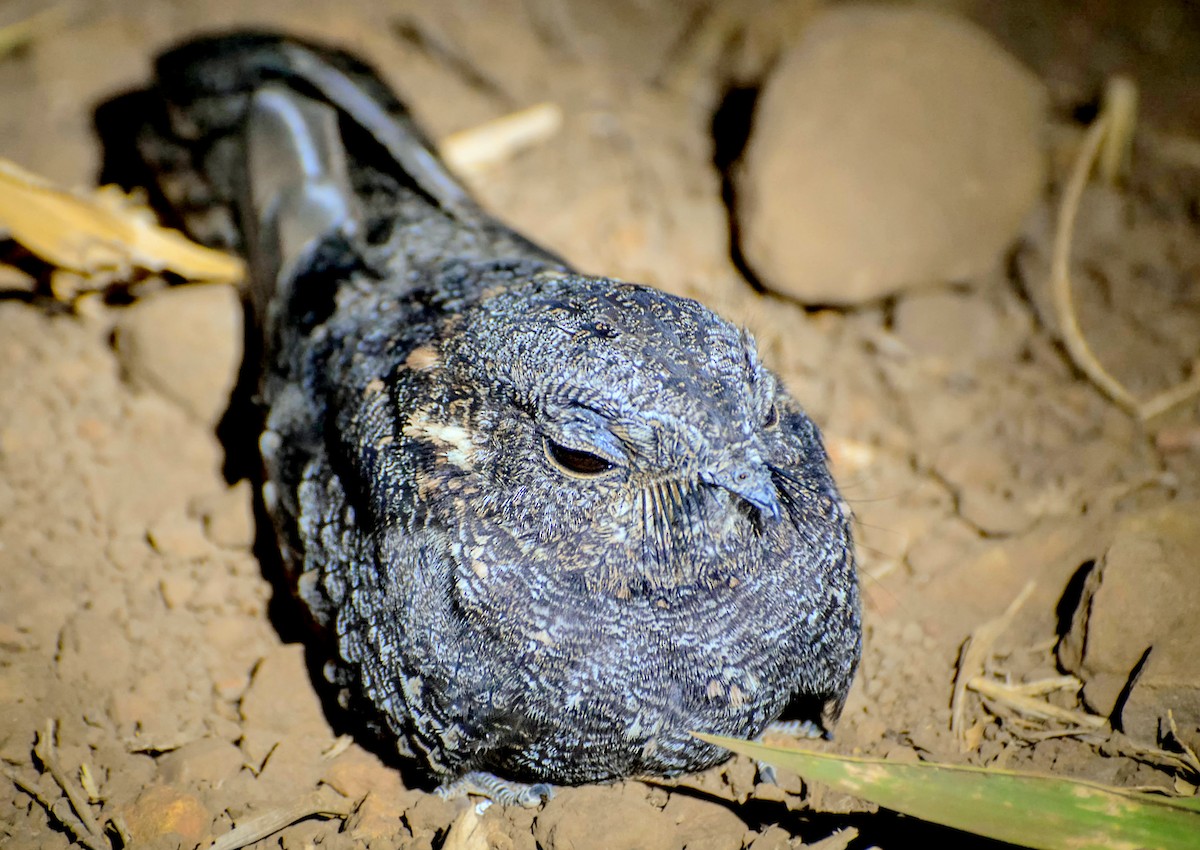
x,y
753,483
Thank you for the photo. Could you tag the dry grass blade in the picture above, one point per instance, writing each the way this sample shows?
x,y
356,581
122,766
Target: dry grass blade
x,y
102,234
1116,152
1189,756
268,823
1110,132
1012,696
473,150
1041,687
971,662
73,814
65,819
47,754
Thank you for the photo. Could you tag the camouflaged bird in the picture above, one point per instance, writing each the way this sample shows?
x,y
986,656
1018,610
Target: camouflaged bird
x,y
554,522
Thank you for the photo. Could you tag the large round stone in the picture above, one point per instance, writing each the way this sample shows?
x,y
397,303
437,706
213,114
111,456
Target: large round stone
x,y
891,148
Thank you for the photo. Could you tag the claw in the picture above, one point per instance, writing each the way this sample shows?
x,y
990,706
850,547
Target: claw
x,y
502,791
798,729
792,728
766,773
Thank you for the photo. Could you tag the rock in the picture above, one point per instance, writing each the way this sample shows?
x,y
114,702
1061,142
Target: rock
x,y
208,760
184,343
162,811
1143,596
893,147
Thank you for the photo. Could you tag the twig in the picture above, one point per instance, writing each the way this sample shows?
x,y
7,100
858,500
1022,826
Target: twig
x,y
1029,706
117,826
1113,130
76,829
1116,151
268,823
473,150
1189,756
974,654
1095,737
44,750
1183,763
339,746
1060,279
1172,397
1042,687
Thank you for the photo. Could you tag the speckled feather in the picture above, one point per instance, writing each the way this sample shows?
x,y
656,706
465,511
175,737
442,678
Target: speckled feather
x,y
554,522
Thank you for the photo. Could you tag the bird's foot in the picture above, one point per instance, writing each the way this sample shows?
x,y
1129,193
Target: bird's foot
x,y
797,729
502,791
793,729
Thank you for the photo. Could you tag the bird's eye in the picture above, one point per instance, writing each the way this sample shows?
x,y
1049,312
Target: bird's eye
x,y
772,417
574,461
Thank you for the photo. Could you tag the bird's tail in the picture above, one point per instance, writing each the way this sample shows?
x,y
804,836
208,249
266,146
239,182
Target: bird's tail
x,y
266,145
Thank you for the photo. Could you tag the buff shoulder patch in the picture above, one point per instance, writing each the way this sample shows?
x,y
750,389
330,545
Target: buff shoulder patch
x,y
451,441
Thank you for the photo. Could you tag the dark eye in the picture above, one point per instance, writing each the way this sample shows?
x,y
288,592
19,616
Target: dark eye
x,y
575,462
772,417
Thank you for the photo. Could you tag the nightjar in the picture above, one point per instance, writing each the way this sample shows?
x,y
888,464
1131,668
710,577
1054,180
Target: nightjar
x,y
551,522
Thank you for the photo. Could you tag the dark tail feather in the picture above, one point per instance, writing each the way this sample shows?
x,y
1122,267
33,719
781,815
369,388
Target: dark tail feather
x,y
278,149
209,82
261,144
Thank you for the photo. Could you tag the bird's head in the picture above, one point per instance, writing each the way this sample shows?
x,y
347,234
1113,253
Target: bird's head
x,y
625,435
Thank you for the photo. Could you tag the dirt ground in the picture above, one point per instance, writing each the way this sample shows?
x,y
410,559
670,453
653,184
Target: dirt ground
x,y
141,635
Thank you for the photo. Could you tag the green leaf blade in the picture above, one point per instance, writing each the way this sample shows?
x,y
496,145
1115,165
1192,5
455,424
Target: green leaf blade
x,y
1031,810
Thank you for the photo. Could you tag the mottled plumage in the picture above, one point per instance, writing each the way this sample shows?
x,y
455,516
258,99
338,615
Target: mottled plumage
x,y
553,521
